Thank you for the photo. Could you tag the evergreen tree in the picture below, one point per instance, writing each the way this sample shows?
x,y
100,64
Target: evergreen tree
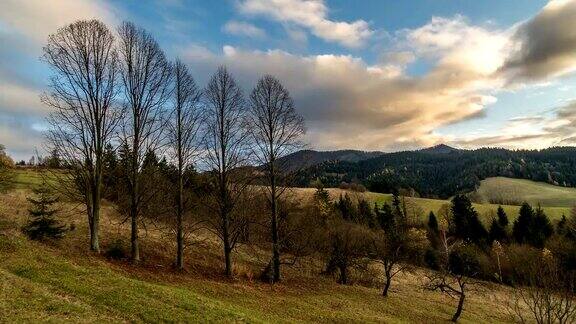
x,y
386,217
561,226
433,223
465,222
365,214
433,231
541,229
346,208
42,222
502,217
497,232
522,224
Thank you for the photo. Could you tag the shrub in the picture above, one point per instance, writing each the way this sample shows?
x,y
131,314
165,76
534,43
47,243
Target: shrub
x,y
116,250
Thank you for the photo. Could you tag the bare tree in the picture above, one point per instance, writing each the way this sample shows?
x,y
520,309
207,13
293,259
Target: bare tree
x,y
84,117
449,279
145,76
397,249
226,150
183,140
276,132
548,296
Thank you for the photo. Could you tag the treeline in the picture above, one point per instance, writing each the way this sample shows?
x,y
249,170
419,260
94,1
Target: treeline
x,y
442,175
132,126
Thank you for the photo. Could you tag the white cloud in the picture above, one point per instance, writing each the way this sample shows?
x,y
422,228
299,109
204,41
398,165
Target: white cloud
x,y
35,19
242,28
311,14
350,104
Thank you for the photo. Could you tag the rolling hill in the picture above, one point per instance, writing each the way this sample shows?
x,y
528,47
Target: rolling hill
x,y
442,171
515,191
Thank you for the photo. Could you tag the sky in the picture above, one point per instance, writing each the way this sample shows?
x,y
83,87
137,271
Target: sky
x,y
381,75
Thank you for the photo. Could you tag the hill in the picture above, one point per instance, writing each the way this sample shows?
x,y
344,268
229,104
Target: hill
x,y
421,207
307,158
515,191
62,281
442,172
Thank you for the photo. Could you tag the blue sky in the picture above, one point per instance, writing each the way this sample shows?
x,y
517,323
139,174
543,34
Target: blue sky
x,y
372,74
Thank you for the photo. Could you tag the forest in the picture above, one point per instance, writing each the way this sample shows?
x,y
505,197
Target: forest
x,y
443,174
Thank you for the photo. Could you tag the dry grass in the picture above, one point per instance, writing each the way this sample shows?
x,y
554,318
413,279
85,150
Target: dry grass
x,y
62,281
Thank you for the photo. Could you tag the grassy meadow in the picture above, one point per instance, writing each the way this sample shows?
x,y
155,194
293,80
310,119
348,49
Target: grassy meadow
x,y
500,188
63,281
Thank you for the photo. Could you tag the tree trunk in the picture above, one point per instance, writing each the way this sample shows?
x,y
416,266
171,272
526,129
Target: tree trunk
x,y
134,234
343,274
134,196
94,215
274,221
460,307
387,285
180,228
226,243
94,222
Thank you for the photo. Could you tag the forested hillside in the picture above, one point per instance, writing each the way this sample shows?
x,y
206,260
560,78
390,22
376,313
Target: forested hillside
x,y
443,172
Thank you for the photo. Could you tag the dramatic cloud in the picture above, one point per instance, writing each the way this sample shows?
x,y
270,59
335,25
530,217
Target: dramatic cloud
x,y
348,103
311,14
458,45
242,28
545,45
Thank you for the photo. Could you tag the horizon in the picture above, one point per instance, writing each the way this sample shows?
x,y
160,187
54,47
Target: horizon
x,y
380,76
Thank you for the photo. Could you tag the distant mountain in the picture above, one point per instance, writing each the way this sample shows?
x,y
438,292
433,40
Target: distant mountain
x,y
439,149
437,172
308,158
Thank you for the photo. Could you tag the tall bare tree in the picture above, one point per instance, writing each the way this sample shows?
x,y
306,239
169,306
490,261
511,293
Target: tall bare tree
x,y
226,150
276,131
146,78
183,140
84,117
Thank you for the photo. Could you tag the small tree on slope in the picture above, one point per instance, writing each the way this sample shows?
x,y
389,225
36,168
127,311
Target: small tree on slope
x,y
42,223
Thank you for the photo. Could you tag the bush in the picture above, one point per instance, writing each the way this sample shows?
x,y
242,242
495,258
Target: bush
x,y
116,250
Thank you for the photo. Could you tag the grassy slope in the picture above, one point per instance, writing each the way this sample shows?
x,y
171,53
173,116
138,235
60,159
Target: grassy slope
x,y
425,205
62,281
526,190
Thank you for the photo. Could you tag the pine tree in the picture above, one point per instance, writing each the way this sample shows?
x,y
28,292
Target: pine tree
x,y
465,222
433,231
365,214
541,229
386,217
522,224
433,222
42,222
497,232
502,217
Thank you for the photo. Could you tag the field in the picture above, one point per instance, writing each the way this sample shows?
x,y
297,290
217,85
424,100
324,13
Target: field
x,y
500,188
62,281
421,207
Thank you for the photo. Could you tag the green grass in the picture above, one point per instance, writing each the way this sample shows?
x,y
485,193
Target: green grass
x,y
39,284
62,281
486,211
27,178
500,188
